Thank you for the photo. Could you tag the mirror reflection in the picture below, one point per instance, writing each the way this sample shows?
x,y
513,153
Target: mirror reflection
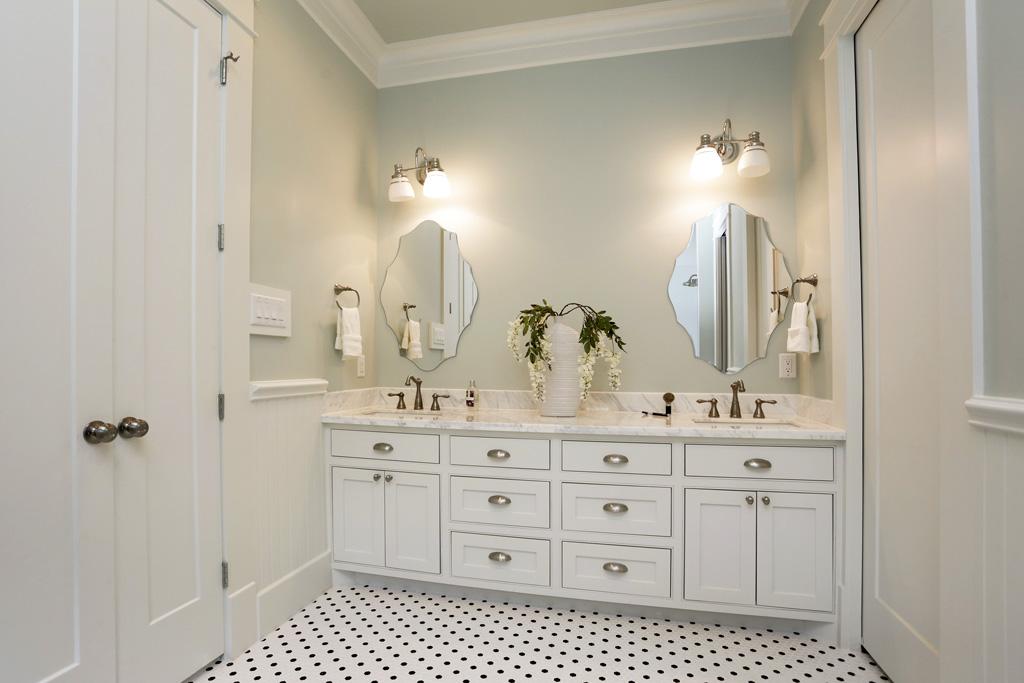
x,y
428,295
724,288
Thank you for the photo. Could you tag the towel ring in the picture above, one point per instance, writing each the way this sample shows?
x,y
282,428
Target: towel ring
x,y
339,289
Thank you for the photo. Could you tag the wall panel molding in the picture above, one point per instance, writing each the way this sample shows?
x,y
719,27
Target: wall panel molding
x,y
286,388
996,414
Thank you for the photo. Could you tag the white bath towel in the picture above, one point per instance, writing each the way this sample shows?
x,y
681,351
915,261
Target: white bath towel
x,y
803,329
411,340
349,337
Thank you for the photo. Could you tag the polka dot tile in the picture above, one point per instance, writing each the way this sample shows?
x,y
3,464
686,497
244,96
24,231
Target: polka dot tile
x,y
377,635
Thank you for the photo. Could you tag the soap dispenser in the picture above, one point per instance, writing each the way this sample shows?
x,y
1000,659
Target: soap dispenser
x,y
471,394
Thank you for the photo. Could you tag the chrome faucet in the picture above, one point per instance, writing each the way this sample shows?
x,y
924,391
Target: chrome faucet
x,y
417,403
737,387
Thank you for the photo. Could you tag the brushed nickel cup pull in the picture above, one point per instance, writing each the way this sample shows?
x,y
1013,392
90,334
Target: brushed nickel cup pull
x,y
615,459
383,447
98,431
499,500
766,500
615,567
133,427
758,464
498,454
376,476
615,508
498,556
750,500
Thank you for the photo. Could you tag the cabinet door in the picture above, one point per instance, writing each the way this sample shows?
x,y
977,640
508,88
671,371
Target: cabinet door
x,y
358,514
413,510
794,550
721,539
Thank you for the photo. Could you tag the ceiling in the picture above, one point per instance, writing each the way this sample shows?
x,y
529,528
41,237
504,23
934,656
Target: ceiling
x,y
398,20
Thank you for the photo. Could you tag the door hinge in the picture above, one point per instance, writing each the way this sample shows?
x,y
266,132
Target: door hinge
x,y
220,406
224,66
220,237
224,574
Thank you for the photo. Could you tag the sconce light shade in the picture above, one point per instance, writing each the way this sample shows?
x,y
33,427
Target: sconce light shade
x,y
755,162
706,164
436,184
400,189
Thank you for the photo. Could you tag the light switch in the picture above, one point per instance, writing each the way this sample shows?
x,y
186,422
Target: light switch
x,y
270,311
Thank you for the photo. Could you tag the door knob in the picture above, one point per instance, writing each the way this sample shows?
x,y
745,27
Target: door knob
x,y
376,476
133,427
98,431
388,478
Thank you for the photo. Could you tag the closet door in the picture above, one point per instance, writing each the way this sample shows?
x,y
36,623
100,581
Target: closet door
x,y
721,546
56,197
905,319
412,506
166,339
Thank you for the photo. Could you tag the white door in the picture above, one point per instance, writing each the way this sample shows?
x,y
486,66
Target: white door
x,y
358,515
56,490
903,306
412,508
721,546
794,550
166,339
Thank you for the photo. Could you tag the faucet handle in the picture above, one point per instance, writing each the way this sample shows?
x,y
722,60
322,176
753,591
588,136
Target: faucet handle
x,y
401,399
714,406
758,406
434,405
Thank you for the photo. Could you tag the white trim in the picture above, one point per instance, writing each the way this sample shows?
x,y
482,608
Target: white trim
x,y
651,27
348,27
286,388
996,413
277,602
976,209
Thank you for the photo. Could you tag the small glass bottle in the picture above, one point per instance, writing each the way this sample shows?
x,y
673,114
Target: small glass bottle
x,y
471,394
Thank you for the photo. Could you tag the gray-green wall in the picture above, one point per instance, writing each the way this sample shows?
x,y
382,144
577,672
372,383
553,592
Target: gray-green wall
x,y
810,158
314,189
570,183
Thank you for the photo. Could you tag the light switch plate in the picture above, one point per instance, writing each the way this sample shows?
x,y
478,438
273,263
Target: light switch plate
x,y
787,366
361,366
270,311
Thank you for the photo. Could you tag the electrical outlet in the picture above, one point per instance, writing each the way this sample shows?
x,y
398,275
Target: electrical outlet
x,y
361,366
787,366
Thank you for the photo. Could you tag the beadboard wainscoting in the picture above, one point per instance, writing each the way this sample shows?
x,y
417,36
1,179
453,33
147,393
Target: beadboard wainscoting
x,y
998,442
294,555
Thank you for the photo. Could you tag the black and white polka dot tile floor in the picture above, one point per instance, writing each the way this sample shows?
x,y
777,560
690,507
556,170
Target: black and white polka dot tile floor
x,y
377,635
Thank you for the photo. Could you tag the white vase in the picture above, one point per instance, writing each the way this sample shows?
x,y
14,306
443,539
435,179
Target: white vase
x,y
562,386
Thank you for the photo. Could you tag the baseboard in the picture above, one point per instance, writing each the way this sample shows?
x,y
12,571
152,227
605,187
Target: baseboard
x,y
277,602
240,617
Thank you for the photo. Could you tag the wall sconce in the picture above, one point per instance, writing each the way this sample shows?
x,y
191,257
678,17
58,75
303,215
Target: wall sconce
x,y
428,171
714,152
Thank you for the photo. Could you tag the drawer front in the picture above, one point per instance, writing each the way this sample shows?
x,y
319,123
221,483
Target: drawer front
x,y
386,446
760,462
530,454
617,569
501,558
627,458
644,510
501,501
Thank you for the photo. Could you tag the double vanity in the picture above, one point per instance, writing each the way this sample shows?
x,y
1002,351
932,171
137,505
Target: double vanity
x,y
742,517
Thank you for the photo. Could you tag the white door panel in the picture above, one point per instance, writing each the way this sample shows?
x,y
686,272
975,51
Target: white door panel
x,y
412,508
794,550
720,546
56,491
166,339
904,314
358,515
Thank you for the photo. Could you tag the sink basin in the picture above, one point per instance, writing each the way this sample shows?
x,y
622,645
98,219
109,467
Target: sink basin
x,y
744,421
417,414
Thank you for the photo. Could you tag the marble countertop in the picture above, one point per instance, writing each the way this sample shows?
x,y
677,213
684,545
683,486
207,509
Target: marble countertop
x,y
601,422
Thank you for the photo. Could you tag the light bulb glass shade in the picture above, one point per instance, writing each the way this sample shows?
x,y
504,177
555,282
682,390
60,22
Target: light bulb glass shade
x,y
400,189
754,162
436,184
706,163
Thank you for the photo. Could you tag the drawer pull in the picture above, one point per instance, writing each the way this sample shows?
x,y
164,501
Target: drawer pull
x,y
615,567
758,464
616,459
383,447
498,454
499,500
615,508
498,556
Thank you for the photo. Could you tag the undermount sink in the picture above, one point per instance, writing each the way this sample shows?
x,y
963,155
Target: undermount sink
x,y
416,414
740,421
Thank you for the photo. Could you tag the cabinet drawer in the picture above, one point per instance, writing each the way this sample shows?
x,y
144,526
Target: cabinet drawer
x,y
501,558
386,446
617,569
627,458
500,501
644,510
760,462
530,454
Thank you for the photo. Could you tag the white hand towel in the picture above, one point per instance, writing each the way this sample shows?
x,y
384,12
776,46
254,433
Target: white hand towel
x,y
349,337
812,328
803,329
411,340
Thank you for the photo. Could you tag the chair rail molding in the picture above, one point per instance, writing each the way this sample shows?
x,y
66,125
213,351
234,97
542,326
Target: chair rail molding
x,y
650,27
286,388
995,413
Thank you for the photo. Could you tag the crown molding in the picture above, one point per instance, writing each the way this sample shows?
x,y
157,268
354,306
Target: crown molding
x,y
652,27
